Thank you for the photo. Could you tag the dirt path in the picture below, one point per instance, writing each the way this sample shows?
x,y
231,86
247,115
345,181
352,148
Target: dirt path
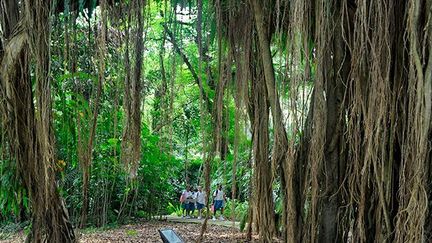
x,y
225,223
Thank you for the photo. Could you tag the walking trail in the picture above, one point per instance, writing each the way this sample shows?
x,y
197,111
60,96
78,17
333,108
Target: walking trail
x,y
226,223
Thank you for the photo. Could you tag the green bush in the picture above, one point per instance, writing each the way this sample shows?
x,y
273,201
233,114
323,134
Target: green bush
x,y
174,210
241,209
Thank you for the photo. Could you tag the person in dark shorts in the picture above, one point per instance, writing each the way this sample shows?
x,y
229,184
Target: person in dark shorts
x,y
183,199
190,201
200,197
219,200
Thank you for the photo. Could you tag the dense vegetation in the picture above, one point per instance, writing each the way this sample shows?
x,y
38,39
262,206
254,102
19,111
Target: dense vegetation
x,y
314,115
170,132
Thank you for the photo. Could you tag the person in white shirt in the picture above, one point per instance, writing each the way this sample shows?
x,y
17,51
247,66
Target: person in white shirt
x,y
189,202
219,199
183,197
201,197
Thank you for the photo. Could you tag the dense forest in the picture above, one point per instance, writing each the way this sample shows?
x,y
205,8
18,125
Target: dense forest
x,y
314,115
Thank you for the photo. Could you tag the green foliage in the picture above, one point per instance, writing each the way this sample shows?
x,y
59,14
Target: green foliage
x,y
14,202
241,209
140,214
174,209
168,154
131,232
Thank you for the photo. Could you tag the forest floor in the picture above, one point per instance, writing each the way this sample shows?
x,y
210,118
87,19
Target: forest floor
x,y
147,231
226,223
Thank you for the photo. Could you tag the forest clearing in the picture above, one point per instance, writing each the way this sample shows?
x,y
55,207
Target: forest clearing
x,y
224,120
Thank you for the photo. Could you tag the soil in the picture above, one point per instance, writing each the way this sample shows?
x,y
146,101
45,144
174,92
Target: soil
x,y
147,231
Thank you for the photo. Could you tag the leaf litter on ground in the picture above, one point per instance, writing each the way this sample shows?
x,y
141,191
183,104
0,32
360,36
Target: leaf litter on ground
x,y
147,231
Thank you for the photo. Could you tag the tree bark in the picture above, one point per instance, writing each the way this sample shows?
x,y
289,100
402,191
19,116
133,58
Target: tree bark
x,y
263,173
289,172
28,125
333,155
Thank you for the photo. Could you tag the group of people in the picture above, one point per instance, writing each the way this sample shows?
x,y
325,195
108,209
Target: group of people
x,y
196,199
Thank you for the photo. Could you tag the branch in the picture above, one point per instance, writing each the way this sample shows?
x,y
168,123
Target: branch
x,y
184,23
189,65
161,125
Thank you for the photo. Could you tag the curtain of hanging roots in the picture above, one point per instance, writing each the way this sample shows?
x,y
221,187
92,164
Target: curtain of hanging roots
x,y
88,156
388,101
131,146
299,35
298,14
239,35
27,118
131,143
413,201
360,171
366,162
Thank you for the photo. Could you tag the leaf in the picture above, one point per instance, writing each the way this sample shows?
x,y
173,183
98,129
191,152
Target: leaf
x,y
113,141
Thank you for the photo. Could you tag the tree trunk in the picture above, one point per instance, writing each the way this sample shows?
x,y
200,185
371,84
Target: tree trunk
x,y
263,173
279,158
29,124
334,129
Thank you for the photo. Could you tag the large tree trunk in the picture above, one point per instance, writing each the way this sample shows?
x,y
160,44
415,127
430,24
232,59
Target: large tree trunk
x,y
263,173
28,123
288,167
334,128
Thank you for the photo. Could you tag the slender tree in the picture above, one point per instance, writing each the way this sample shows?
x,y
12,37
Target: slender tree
x,y
88,150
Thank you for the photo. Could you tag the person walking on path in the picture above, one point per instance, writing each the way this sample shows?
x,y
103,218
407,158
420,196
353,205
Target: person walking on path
x,y
201,197
191,204
219,199
183,197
